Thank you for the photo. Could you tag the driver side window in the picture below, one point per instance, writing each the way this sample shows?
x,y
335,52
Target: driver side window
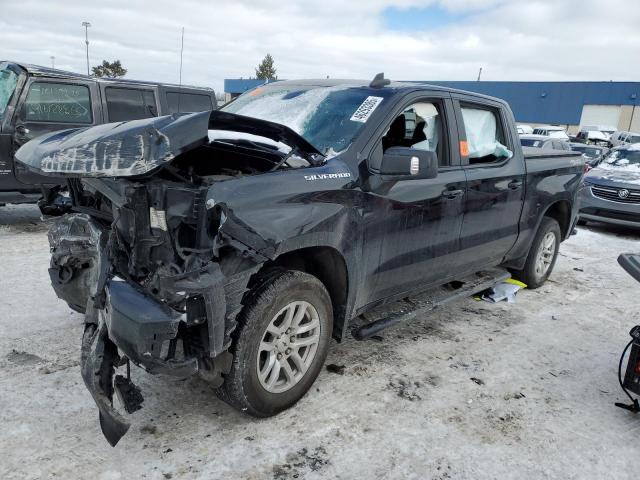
x,y
419,126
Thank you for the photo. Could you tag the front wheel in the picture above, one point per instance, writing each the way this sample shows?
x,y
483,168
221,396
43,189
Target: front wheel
x,y
280,344
542,254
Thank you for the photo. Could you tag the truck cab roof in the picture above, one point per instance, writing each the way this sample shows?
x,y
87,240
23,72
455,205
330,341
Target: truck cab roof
x,y
40,71
399,86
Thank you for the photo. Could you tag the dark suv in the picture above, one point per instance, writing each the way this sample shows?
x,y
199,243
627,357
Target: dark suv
x,y
36,100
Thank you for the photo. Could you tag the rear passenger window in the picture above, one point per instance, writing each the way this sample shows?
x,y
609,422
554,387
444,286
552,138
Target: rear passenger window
x,y
188,102
58,103
129,104
484,135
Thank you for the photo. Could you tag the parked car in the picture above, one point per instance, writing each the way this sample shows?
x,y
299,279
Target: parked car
x,y
551,131
36,100
544,142
623,138
611,191
592,137
236,243
524,129
607,130
592,154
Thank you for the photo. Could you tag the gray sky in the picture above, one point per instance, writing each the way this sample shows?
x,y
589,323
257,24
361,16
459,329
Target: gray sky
x,y
407,39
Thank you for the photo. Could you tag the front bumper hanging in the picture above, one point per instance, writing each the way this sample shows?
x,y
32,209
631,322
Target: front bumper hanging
x,y
124,323
140,328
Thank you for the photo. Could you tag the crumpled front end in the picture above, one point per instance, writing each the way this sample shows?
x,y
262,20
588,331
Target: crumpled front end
x,y
152,290
158,266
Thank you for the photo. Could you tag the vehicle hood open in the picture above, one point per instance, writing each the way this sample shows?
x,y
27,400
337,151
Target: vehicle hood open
x,y
138,147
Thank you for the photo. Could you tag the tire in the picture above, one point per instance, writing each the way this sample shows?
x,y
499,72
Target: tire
x,y
531,275
581,222
284,295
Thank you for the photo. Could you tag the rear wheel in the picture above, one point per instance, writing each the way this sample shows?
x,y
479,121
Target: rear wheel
x,y
542,254
280,344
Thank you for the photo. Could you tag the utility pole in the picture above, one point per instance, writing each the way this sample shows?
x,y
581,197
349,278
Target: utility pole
x,y
53,61
86,26
181,50
479,74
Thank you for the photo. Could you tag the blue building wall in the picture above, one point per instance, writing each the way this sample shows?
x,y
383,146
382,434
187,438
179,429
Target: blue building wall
x,y
535,102
237,86
553,102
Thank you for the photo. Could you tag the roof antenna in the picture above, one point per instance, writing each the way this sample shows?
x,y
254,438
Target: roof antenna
x,y
379,81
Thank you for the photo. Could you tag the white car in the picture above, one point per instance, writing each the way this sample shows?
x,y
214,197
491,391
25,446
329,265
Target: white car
x,y
592,137
607,130
551,131
524,129
623,138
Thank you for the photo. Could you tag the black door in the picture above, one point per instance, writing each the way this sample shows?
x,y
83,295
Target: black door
x,y
12,80
48,105
412,227
495,185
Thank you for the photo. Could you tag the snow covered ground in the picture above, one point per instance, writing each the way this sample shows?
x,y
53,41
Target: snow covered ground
x,y
476,390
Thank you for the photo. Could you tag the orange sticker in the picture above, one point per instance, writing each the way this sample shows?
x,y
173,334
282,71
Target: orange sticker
x,y
256,91
464,148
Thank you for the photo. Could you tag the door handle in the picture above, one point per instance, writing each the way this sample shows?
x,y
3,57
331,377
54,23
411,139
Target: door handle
x,y
452,193
514,184
22,130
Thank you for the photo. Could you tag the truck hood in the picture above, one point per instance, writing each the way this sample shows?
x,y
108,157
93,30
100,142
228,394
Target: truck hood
x,y
614,177
138,147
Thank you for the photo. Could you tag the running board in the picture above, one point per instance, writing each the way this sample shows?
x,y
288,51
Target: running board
x,y
437,297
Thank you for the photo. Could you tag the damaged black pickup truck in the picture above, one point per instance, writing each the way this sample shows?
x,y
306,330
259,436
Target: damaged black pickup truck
x,y
236,243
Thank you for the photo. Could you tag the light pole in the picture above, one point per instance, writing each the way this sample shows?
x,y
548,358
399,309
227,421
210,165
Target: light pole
x,y
86,26
53,61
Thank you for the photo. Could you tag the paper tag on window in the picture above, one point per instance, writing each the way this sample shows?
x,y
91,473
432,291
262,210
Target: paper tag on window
x,y
365,110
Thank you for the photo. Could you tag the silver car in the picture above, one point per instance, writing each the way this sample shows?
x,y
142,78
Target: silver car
x,y
611,191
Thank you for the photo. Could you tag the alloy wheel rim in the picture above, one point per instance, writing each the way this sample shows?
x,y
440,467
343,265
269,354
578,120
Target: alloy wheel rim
x,y
288,346
545,255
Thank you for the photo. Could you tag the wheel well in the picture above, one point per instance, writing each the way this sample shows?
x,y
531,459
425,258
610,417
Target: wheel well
x,y
561,213
326,264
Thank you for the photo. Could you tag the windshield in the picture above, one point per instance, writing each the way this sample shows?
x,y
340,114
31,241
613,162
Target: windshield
x,y
625,158
327,117
8,82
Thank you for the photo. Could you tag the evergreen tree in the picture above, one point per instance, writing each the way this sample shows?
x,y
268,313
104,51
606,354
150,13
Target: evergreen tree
x,y
266,70
109,69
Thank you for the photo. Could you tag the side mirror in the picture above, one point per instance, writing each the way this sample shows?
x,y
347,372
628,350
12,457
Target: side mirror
x,y
404,163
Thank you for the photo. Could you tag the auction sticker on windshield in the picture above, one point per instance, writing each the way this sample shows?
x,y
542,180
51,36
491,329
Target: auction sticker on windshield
x,y
365,110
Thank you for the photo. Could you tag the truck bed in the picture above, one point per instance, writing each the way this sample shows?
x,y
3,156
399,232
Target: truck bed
x,y
532,152
539,160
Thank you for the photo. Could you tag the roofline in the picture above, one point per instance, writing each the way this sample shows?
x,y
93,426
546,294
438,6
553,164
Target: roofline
x,y
408,85
40,71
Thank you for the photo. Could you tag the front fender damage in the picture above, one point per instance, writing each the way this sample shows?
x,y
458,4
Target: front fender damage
x,y
77,247
125,323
